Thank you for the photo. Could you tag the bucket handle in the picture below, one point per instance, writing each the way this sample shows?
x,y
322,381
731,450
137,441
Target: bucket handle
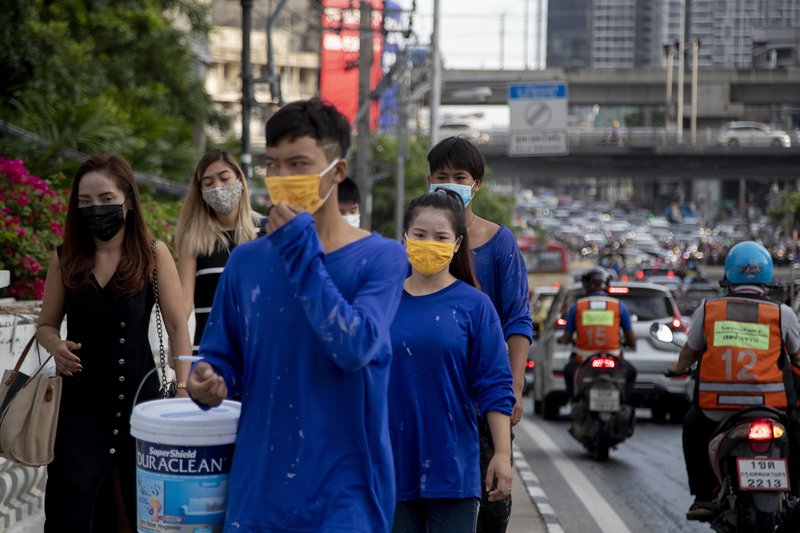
x,y
192,358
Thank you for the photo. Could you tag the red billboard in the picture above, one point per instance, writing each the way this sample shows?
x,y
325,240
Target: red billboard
x,y
338,78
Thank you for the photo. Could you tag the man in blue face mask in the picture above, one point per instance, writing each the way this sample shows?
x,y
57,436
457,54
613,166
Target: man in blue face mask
x,y
456,164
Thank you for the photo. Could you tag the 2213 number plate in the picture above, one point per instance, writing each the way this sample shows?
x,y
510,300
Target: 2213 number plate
x,y
762,474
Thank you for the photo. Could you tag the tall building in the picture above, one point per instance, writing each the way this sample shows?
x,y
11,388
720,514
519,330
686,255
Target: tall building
x,y
602,33
613,33
569,34
727,30
733,34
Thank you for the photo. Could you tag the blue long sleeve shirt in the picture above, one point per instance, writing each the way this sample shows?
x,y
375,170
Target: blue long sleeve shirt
x,y
449,356
502,275
303,336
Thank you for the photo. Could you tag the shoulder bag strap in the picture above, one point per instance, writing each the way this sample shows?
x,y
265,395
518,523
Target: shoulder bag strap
x,y
162,363
21,360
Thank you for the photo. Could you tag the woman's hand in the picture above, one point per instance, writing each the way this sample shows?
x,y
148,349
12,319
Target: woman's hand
x,y
499,470
182,393
206,386
67,363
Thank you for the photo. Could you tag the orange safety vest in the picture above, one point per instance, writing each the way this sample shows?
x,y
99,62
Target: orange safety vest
x,y
744,347
597,324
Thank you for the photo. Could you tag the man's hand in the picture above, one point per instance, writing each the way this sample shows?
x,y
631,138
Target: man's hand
x,y
499,470
280,215
675,368
517,411
206,386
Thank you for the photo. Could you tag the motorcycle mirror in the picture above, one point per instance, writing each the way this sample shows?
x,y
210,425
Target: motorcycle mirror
x,y
661,332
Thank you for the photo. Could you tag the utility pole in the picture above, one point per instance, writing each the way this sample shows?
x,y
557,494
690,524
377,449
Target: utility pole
x,y
527,34
502,40
436,78
670,51
693,123
246,159
542,36
364,142
403,104
273,78
681,67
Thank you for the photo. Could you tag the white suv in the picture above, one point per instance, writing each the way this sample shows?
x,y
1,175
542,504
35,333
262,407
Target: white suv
x,y
752,134
647,303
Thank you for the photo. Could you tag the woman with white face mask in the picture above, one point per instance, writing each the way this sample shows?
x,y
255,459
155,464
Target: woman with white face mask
x,y
216,216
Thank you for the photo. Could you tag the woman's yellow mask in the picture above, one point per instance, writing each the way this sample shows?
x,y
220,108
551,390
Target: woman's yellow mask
x,y
429,257
301,191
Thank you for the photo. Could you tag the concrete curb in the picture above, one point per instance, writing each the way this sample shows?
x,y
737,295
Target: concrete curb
x,y
536,493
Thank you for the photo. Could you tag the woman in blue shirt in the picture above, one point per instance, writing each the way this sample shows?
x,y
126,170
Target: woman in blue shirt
x,y
449,356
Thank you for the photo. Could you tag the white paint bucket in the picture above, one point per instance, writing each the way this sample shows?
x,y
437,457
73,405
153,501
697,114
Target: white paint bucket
x,y
183,461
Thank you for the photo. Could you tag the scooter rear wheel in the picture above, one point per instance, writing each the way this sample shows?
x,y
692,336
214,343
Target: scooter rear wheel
x,y
601,450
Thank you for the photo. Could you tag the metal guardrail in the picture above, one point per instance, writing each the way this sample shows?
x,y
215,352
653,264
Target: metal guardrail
x,y
636,139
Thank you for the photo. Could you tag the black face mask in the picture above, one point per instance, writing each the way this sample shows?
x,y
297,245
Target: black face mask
x,y
103,221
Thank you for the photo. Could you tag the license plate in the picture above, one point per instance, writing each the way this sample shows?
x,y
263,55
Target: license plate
x,y
603,399
762,474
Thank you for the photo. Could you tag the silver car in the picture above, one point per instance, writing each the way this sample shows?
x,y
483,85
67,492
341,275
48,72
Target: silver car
x,y
647,303
752,135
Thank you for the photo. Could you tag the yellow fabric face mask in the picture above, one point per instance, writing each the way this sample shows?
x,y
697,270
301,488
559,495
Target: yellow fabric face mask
x,y
301,191
429,257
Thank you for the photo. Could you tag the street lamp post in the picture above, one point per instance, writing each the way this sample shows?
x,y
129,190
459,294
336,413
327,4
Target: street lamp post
x,y
695,54
436,78
246,159
681,66
670,53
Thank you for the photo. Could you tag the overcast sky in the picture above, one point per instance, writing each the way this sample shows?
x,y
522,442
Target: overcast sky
x,y
471,31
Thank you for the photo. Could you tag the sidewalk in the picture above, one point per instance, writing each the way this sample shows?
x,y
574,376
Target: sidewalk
x,y
525,517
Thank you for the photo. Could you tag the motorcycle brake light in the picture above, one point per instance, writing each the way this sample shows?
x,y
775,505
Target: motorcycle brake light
x,y
760,430
603,362
530,364
561,322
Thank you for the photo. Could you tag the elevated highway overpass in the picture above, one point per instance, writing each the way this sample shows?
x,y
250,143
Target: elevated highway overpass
x,y
721,93
645,154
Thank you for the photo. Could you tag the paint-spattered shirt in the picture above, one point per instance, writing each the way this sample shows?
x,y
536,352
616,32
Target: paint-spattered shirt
x,y
303,337
502,275
449,355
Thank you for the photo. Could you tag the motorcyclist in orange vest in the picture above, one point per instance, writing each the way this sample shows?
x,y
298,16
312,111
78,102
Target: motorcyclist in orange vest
x,y
597,320
744,345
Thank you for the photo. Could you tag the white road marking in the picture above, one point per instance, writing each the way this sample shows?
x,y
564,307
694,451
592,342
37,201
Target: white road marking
x,y
597,506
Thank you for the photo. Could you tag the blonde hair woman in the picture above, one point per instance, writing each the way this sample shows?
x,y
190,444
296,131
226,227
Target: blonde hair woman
x,y
216,216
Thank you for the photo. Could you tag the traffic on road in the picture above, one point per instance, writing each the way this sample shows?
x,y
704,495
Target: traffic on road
x,y
662,268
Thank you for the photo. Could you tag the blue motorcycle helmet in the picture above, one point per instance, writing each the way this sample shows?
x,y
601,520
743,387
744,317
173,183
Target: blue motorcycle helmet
x,y
748,263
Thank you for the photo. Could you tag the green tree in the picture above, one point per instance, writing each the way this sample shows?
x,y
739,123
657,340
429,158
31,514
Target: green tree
x,y
495,207
104,75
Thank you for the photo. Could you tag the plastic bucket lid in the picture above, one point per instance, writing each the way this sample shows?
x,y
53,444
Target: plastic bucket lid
x,y
180,421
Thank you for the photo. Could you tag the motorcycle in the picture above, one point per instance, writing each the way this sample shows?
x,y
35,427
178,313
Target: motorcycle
x,y
749,455
600,417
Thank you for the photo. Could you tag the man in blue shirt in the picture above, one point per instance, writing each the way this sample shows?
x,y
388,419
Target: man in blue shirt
x,y
300,329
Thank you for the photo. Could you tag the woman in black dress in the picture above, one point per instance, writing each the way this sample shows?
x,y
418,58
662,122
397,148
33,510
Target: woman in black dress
x,y
101,279
216,216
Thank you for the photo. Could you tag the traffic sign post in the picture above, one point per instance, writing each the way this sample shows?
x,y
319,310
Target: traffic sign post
x,y
538,119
